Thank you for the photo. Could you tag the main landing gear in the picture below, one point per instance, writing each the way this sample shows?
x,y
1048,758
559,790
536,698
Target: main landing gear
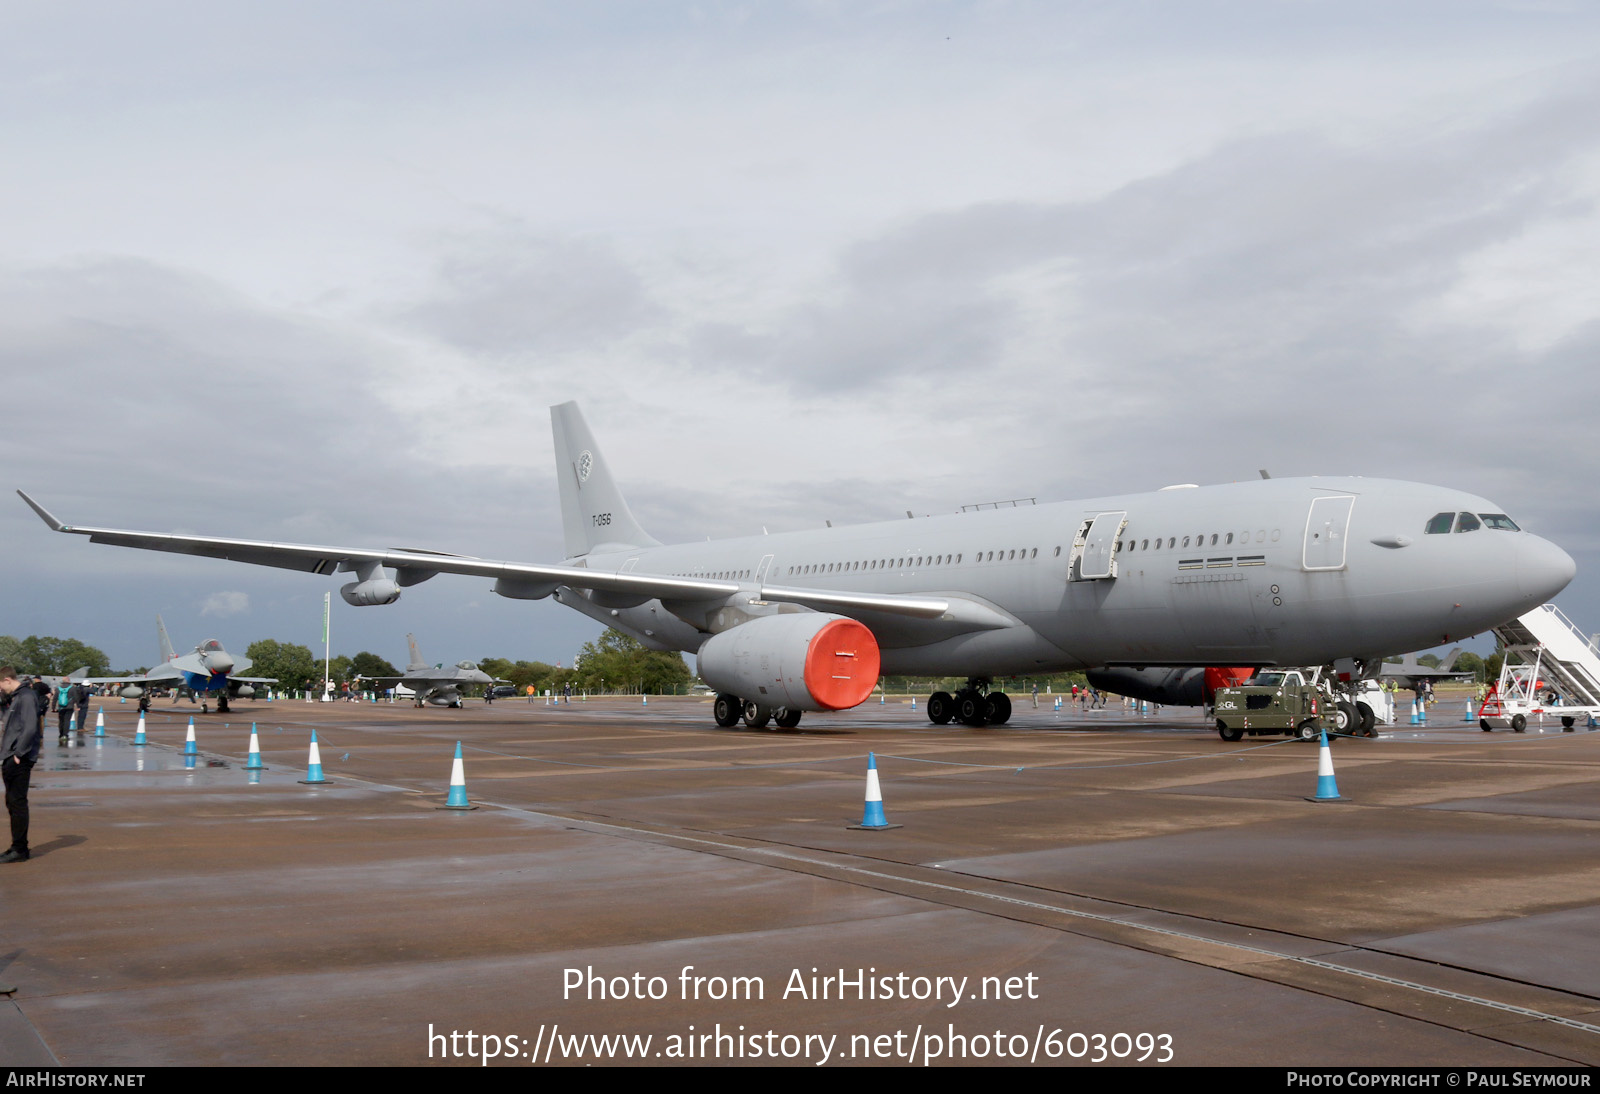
x,y
974,705
729,710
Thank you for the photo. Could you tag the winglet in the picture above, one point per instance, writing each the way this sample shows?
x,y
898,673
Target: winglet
x,y
44,514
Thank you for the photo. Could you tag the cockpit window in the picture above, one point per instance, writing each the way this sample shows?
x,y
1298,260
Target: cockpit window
x,y
1466,522
1499,522
1440,522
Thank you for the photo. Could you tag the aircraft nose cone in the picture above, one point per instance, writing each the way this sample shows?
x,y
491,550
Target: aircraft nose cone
x,y
1543,569
219,662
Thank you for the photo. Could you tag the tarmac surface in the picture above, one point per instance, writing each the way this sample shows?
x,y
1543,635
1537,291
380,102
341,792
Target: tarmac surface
x,y
1056,882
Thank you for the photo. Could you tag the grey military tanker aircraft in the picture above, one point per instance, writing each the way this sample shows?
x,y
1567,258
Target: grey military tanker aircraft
x,y
1261,572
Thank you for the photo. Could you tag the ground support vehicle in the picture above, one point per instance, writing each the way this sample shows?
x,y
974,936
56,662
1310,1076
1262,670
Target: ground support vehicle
x,y
1550,670
1296,702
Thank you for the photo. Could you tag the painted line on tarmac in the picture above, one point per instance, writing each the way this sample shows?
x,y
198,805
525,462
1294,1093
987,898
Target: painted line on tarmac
x,y
1187,936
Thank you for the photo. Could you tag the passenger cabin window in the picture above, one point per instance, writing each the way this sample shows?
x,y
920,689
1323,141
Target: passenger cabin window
x,y
1439,523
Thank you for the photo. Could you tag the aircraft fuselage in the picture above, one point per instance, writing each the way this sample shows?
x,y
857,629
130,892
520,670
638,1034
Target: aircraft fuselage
x,y
1281,571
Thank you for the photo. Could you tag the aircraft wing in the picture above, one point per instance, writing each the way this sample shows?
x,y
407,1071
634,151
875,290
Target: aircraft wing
x,y
415,565
103,679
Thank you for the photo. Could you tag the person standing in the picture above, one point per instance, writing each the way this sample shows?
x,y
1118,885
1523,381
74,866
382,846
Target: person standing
x,y
84,692
19,749
65,699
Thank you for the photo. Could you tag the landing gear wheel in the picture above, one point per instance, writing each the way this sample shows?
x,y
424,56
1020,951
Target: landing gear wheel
x,y
1518,723
1369,720
1345,718
1228,734
754,716
727,710
941,708
1568,721
998,708
971,708
786,719
1308,730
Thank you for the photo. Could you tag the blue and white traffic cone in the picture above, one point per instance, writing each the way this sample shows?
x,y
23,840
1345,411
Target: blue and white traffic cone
x,y
1058,702
72,723
644,700
458,785
138,734
1467,717
872,818
189,748
913,707
100,723
314,764
253,762
1327,788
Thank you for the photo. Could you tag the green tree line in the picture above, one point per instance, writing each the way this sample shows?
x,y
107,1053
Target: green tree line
x,y
39,655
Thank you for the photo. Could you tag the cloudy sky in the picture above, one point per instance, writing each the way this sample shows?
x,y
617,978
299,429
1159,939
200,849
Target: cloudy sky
x,y
314,272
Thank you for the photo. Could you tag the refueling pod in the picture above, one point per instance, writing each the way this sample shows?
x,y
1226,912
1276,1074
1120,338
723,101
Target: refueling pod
x,y
366,594
375,587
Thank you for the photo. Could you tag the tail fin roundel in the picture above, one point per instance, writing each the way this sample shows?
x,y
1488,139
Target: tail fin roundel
x,y
593,512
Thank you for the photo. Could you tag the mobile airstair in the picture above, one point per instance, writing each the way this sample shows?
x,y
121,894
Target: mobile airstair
x,y
1551,670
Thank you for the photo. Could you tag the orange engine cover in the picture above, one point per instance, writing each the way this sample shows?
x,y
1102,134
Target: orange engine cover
x,y
795,661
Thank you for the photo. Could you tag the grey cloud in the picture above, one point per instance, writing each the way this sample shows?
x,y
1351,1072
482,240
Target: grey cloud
x,y
515,292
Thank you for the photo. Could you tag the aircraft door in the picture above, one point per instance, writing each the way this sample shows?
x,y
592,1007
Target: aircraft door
x,y
761,570
1327,531
1095,557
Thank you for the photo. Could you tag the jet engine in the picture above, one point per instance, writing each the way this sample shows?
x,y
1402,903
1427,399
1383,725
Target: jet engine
x,y
795,661
366,594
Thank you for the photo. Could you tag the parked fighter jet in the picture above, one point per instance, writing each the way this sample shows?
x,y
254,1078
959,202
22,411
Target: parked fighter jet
x,y
434,684
1259,572
1406,673
208,671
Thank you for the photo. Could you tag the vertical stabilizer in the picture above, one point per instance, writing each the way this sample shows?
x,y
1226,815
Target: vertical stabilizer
x,y
416,657
167,653
592,509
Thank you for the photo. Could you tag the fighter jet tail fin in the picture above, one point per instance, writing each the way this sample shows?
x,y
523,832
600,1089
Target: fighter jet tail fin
x,y
1449,663
167,652
416,656
593,511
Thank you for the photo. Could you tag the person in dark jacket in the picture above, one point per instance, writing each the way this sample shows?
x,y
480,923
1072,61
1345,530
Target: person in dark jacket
x,y
85,692
42,693
19,749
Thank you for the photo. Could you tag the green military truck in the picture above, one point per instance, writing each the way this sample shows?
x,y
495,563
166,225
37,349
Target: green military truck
x,y
1280,701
